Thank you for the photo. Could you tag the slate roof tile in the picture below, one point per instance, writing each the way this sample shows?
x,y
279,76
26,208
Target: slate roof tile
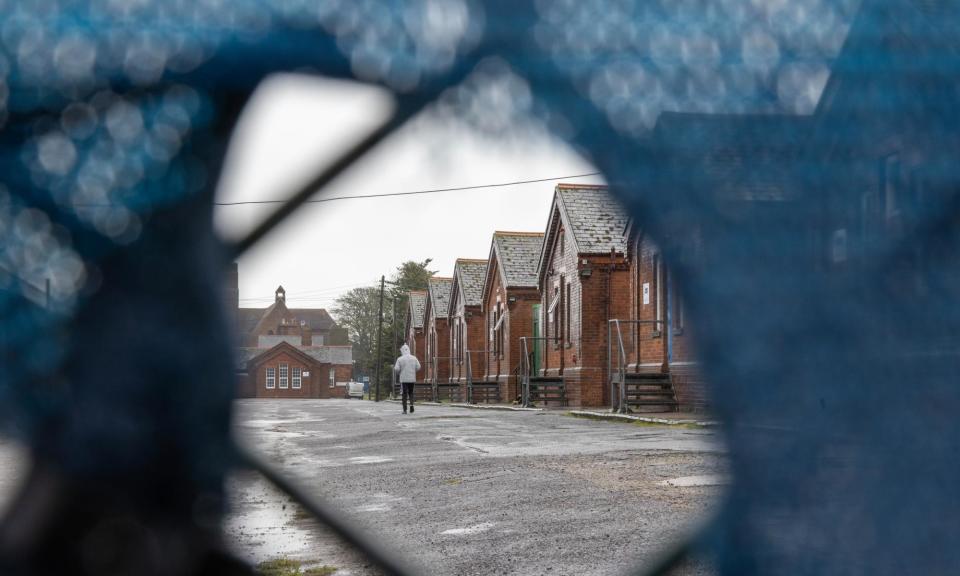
x,y
469,276
439,289
518,254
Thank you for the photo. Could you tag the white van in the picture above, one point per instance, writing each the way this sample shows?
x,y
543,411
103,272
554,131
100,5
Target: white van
x,y
355,389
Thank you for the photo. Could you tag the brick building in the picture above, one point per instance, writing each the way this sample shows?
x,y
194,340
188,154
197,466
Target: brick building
x,y
289,369
277,319
288,352
435,324
747,165
656,337
511,306
465,319
414,333
584,280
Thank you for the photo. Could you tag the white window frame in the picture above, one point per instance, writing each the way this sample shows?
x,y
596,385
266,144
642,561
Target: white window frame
x,y
284,380
271,377
296,378
333,377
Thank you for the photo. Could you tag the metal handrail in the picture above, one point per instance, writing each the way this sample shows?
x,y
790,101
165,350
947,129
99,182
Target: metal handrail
x,y
620,405
469,378
525,369
435,380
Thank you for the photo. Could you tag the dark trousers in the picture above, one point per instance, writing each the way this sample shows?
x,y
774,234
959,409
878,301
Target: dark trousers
x,y
406,390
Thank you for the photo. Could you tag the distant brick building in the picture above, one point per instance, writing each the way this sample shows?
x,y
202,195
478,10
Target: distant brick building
x,y
584,280
511,306
437,356
279,320
288,352
289,370
465,319
413,328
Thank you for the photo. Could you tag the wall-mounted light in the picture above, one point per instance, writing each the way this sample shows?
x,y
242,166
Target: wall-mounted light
x,y
511,299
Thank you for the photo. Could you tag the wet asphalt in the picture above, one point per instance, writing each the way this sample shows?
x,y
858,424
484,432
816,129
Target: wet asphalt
x,y
460,491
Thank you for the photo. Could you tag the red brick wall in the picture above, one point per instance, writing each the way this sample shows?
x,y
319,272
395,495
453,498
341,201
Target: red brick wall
x,y
316,385
415,340
437,346
685,375
517,323
599,289
469,321
308,388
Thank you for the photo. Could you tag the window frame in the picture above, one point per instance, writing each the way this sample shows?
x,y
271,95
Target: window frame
x,y
296,378
283,376
270,377
332,377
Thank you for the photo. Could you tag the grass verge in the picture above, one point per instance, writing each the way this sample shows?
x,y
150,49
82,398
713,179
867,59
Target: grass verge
x,y
290,567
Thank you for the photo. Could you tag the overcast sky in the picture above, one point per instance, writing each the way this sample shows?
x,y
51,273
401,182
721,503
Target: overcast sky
x,y
296,124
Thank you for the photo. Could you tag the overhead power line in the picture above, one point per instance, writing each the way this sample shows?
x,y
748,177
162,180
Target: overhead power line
x,y
415,192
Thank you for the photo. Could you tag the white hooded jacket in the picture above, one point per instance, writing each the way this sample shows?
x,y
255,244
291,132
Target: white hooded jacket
x,y
407,365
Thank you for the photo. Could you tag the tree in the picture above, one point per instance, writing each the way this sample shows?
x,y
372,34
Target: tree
x,y
356,311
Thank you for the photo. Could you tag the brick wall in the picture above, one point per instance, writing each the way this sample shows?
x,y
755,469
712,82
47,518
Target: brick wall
x,y
597,288
437,346
308,387
316,385
415,340
517,323
466,329
686,377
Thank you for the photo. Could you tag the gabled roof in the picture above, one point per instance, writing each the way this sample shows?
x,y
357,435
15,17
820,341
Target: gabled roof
x,y
319,354
251,320
594,220
515,255
736,157
438,301
416,302
467,285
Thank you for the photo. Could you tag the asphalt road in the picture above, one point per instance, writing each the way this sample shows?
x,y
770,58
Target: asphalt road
x,y
461,491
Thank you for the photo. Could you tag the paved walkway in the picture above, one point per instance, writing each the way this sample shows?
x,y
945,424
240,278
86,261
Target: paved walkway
x,y
464,491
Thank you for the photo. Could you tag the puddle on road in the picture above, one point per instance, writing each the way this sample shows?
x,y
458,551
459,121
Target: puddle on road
x,y
260,527
469,531
691,481
382,507
370,459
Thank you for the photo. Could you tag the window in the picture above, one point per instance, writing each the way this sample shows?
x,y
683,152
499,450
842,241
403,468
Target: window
x,y
333,377
284,377
552,320
566,312
296,380
271,378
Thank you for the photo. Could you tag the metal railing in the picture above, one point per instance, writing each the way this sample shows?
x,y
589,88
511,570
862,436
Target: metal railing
x,y
618,378
526,367
435,375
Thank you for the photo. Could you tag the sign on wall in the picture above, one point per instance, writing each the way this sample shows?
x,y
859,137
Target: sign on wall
x,y
646,293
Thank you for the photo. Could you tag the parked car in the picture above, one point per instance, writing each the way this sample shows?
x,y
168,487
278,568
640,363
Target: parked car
x,y
355,389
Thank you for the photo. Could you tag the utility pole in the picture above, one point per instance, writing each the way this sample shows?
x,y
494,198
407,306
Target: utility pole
x,y
393,377
379,366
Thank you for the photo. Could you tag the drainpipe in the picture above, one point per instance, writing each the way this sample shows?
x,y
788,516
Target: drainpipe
x,y
607,307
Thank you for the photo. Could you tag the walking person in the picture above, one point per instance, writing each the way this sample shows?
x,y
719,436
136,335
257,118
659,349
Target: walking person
x,y
406,369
